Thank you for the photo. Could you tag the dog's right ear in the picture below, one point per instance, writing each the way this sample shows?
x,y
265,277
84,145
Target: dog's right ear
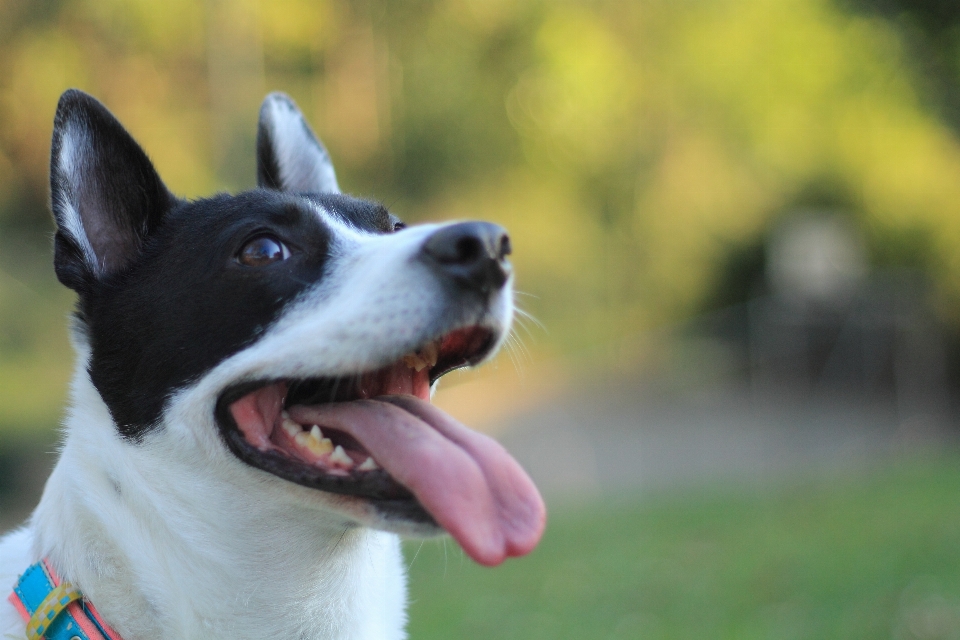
x,y
105,194
289,155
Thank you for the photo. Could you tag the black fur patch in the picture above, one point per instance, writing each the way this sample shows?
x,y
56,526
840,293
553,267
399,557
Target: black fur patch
x,y
360,214
186,304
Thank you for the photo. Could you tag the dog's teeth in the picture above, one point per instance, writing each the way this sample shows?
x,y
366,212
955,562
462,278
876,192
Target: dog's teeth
x,y
430,353
316,443
340,457
302,438
284,415
426,357
413,361
319,447
291,427
368,465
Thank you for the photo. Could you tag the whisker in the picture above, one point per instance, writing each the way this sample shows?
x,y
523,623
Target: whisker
x,y
444,557
301,280
516,344
522,323
335,388
415,555
510,348
521,355
526,315
339,540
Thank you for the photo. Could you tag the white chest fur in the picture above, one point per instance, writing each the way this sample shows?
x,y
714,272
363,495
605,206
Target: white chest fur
x,y
169,551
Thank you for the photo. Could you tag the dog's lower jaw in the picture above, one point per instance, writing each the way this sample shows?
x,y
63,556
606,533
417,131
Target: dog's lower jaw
x,y
199,557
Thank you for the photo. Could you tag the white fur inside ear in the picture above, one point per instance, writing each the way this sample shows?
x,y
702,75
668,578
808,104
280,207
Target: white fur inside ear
x,y
70,169
303,163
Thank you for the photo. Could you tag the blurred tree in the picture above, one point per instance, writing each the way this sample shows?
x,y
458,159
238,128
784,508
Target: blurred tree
x,y
627,145
932,29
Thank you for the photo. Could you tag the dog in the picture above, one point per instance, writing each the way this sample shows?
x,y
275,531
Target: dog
x,y
249,429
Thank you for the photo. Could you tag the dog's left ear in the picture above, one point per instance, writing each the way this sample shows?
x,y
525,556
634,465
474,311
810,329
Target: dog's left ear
x,y
289,155
105,195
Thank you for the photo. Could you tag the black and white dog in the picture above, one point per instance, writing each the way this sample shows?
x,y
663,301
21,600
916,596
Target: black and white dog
x,y
250,425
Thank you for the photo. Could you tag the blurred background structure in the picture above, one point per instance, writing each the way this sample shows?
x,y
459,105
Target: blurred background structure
x,y
736,230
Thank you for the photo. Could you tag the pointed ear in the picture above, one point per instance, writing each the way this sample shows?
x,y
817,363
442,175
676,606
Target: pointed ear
x,y
105,195
289,155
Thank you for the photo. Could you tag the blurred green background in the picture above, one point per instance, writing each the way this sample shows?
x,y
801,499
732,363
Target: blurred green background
x,y
642,153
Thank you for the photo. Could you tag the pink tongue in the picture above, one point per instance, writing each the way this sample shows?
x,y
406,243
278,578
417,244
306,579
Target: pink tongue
x,y
467,481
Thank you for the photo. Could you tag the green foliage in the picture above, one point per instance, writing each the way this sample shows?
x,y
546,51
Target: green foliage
x,y
34,352
860,555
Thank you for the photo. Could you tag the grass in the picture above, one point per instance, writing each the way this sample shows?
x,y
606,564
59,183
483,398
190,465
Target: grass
x,y
876,555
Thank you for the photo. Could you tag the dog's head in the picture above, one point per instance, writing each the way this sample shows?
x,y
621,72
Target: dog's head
x,y
291,334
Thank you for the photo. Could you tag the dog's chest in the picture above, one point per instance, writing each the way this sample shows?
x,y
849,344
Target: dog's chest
x,y
361,596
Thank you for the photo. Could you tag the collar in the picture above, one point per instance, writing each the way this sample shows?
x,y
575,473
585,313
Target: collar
x,y
54,609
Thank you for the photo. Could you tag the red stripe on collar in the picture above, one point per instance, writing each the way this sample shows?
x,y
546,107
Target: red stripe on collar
x,y
82,612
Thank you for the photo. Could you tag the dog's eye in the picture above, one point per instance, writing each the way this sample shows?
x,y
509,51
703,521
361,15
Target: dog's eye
x,y
261,251
399,226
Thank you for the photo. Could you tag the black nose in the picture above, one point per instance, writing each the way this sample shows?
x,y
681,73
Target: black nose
x,y
472,253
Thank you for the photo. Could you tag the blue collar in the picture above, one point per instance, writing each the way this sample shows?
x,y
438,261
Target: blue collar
x,y
56,610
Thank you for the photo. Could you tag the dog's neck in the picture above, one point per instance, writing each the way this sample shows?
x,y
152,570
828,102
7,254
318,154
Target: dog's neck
x,y
167,550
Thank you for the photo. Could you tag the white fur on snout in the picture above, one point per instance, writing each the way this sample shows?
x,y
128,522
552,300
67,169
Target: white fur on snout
x,y
377,302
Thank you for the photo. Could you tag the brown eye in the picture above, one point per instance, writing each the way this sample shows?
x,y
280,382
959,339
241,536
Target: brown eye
x,y
261,251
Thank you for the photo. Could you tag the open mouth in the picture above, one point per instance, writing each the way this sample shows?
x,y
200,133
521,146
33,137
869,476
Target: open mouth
x,y
375,436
